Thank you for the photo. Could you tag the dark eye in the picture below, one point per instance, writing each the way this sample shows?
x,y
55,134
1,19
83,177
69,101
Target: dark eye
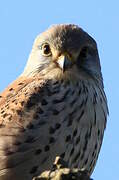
x,y
84,52
46,50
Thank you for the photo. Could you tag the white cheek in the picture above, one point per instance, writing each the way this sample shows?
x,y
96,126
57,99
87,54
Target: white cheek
x,y
41,61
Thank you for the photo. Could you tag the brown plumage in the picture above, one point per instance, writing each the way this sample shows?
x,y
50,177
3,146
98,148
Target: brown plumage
x,y
57,107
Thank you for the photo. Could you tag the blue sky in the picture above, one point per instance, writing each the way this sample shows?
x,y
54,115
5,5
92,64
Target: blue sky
x,y
21,21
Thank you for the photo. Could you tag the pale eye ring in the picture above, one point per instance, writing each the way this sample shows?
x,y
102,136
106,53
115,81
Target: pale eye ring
x,y
46,50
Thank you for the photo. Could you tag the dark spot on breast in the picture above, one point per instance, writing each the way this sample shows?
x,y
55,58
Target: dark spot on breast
x,y
33,170
55,91
62,155
13,110
30,126
46,148
11,89
82,104
72,93
86,142
33,100
35,116
77,140
19,112
79,91
52,130
22,103
56,86
55,82
17,143
84,88
82,156
30,139
105,118
56,101
7,106
2,126
29,104
38,151
100,99
20,83
62,99
2,112
90,131
75,133
72,151
98,132
82,113
96,146
94,117
76,157
35,89
70,118
8,152
86,136
69,122
86,161
57,125
95,98
10,118
73,102
55,112
93,153
41,122
85,145
68,138
5,115
39,110
51,140
44,102
85,101
26,93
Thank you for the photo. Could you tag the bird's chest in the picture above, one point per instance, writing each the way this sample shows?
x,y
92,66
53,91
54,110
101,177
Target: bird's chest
x,y
61,105
74,119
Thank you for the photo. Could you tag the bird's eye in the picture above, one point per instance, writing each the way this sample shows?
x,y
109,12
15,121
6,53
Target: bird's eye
x,y
46,50
84,52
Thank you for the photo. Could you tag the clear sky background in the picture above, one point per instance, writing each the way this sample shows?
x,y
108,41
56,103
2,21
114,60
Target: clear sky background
x,y
21,21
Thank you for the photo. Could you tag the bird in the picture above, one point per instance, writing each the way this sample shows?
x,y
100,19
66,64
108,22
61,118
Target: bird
x,y
56,107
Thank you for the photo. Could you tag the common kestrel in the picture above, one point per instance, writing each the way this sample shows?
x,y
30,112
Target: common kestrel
x,y
57,107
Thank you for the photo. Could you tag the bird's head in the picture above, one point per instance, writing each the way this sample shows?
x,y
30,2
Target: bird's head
x,y
64,52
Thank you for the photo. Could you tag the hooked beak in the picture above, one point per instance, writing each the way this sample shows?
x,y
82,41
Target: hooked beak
x,y
64,62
